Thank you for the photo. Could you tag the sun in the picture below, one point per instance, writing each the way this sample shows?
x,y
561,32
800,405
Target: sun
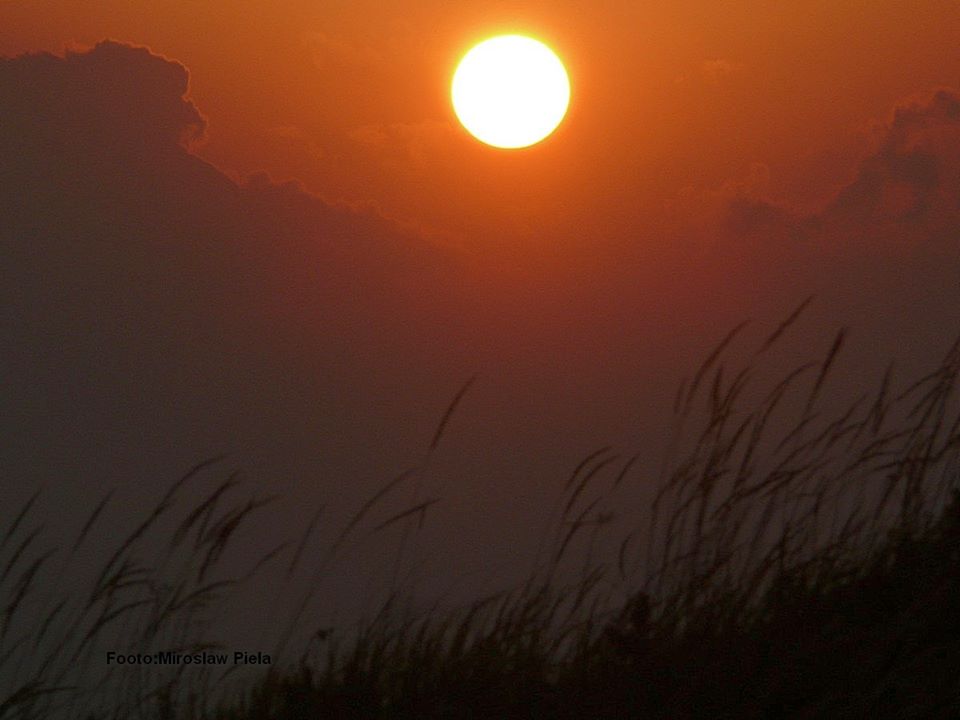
x,y
510,91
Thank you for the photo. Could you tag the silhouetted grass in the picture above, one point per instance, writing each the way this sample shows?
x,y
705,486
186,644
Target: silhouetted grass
x,y
800,559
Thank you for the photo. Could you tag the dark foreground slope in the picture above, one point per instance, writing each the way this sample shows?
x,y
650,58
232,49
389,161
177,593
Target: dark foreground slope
x,y
811,573
815,575
879,638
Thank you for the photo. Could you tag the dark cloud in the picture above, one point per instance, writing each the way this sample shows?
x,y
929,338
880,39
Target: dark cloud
x,y
911,181
152,307
113,94
907,188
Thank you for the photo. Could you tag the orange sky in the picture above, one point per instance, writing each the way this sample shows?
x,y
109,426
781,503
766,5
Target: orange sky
x,y
670,100
719,161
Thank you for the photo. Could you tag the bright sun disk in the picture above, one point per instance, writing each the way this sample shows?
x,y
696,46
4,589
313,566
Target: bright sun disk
x,y
510,91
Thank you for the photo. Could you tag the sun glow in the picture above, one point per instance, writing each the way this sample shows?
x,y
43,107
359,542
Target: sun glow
x,y
510,91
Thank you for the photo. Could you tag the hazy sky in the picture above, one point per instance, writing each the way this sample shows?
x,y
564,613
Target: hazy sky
x,y
669,99
164,299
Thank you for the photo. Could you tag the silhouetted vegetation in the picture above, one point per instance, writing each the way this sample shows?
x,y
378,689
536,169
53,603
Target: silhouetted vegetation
x,y
801,568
